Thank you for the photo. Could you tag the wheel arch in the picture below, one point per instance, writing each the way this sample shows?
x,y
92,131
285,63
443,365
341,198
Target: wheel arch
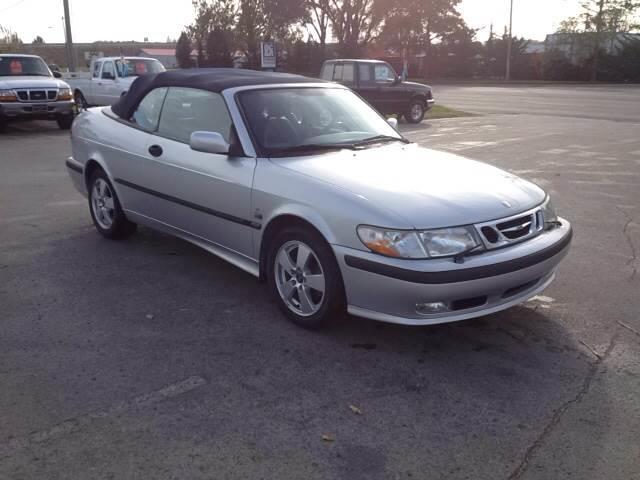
x,y
282,220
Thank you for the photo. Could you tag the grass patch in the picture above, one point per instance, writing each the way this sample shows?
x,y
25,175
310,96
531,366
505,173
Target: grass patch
x,y
440,111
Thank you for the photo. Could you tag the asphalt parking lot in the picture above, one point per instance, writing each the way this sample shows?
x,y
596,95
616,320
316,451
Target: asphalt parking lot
x,y
152,359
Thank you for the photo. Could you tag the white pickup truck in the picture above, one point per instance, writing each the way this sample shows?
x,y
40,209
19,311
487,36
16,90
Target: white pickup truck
x,y
109,78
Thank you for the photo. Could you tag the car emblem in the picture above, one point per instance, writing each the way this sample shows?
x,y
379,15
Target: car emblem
x,y
506,204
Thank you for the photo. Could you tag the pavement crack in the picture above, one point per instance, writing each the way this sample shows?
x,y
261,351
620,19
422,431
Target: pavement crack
x,y
634,254
559,412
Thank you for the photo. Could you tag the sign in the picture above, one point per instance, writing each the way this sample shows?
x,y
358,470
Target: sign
x,y
268,54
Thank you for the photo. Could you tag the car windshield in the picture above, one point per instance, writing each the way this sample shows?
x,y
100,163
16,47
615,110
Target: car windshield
x,y
19,66
132,67
309,119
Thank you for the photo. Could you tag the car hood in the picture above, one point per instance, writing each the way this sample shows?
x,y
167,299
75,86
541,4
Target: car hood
x,y
416,86
28,81
426,188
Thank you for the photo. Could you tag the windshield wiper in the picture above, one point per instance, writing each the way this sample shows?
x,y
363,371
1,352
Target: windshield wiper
x,y
306,147
380,139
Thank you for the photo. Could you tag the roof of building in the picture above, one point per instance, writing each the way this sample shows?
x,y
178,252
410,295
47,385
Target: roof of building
x,y
212,79
163,52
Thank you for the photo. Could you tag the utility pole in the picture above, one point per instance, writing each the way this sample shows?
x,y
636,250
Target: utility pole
x,y
508,72
71,58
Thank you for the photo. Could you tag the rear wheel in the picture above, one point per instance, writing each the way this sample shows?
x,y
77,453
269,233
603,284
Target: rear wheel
x,y
106,212
65,121
304,278
415,112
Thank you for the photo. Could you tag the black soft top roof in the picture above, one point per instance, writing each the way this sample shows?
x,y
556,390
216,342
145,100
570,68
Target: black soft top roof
x,y
212,79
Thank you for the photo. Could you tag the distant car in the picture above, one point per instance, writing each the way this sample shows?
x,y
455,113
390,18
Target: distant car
x,y
379,84
304,185
109,78
29,91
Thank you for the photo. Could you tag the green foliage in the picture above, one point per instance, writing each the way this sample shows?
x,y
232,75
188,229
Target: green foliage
x,y
38,40
9,40
218,50
183,51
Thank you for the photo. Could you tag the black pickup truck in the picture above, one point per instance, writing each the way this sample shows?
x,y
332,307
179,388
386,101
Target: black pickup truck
x,y
378,83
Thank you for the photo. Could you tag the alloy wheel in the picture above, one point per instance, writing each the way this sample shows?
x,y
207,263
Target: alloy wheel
x,y
102,203
299,278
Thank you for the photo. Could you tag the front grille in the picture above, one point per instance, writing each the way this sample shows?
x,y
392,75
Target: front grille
x,y
499,233
466,303
37,95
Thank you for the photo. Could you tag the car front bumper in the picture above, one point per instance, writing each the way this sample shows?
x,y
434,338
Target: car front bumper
x,y
390,289
23,110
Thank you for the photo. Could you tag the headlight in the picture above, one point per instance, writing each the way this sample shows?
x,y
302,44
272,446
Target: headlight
x,y
8,96
443,242
65,94
549,214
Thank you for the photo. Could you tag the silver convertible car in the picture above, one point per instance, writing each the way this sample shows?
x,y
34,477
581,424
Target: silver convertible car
x,y
305,186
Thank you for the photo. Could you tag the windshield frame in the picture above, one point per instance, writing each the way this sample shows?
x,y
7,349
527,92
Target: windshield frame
x,y
30,57
236,92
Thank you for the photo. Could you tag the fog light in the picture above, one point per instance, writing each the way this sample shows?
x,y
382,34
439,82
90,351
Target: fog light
x,y
431,308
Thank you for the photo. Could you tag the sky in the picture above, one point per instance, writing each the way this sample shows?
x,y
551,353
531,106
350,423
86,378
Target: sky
x,y
93,20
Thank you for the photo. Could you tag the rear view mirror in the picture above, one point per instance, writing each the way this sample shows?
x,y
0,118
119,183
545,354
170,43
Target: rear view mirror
x,y
208,142
393,122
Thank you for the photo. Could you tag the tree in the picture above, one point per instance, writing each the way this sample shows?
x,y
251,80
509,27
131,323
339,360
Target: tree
x,y
318,19
183,51
218,51
209,16
38,40
412,24
602,20
354,23
9,39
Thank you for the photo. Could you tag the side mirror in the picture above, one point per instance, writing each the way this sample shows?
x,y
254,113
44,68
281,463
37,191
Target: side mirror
x,y
56,74
208,142
393,122
397,80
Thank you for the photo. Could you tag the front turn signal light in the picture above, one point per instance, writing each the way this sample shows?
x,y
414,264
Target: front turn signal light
x,y
8,96
64,94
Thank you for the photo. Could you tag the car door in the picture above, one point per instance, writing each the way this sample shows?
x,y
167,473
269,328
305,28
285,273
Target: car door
x,y
207,195
90,95
106,84
391,95
367,87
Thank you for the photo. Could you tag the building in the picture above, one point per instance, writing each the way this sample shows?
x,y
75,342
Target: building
x,y
166,56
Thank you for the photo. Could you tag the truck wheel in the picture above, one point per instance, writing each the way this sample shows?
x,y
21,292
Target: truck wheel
x,y
64,121
415,112
81,102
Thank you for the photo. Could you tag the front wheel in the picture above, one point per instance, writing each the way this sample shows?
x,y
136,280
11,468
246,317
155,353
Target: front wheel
x,y
415,112
304,278
64,121
81,102
106,212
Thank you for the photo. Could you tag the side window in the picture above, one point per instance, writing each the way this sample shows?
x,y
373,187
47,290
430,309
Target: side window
x,y
187,110
148,112
347,73
96,69
337,73
108,71
383,73
327,71
364,71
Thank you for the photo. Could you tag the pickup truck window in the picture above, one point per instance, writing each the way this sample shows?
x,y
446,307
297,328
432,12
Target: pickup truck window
x,y
96,69
132,67
108,71
187,110
364,72
327,71
383,73
148,112
14,66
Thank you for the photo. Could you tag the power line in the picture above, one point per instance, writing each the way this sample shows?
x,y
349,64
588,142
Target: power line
x,y
11,6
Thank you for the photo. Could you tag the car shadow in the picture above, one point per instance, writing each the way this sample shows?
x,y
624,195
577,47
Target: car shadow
x,y
161,308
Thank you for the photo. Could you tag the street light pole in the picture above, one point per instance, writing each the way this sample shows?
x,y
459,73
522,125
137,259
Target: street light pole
x,y
508,72
71,58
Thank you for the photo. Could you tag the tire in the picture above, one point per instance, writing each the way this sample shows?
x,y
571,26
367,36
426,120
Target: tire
x,y
81,102
297,285
65,121
106,212
3,125
415,112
